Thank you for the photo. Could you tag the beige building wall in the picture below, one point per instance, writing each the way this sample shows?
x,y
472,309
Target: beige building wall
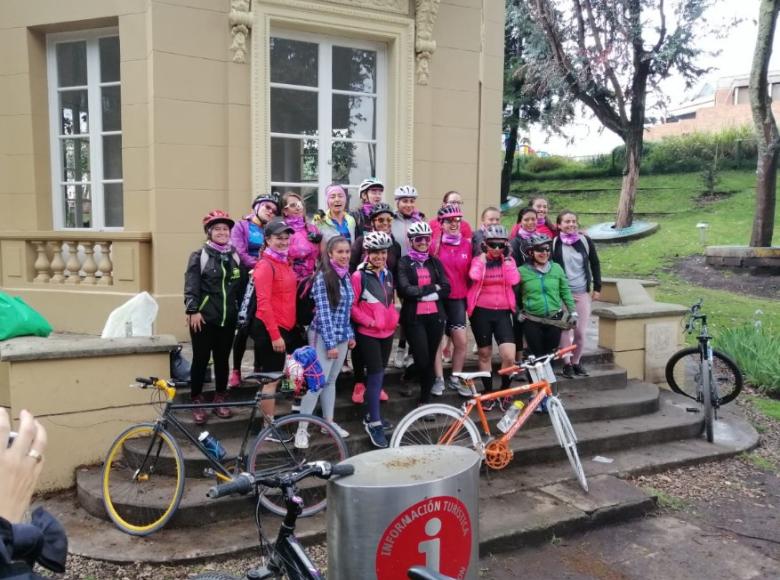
x,y
191,142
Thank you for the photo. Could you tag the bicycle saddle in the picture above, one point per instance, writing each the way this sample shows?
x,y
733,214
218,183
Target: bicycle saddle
x,y
263,378
470,376
423,573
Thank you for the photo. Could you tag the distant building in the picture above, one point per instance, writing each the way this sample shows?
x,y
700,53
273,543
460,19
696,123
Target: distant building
x,y
715,106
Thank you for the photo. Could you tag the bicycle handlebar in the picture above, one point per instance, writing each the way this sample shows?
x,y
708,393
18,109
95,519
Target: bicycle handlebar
x,y
244,483
533,360
152,381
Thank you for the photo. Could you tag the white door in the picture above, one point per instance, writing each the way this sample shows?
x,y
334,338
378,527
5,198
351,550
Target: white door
x,y
327,114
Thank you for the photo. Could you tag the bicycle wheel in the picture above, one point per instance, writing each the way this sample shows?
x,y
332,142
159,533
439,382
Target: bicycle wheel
x,y
566,437
707,402
275,452
683,372
428,425
138,498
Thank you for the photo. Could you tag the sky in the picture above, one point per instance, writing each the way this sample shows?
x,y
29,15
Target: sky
x,y
736,54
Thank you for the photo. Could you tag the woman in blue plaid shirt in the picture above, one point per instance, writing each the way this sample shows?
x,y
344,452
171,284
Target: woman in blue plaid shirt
x,y
330,332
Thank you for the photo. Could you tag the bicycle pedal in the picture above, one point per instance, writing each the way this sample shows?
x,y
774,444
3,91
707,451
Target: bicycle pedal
x,y
692,410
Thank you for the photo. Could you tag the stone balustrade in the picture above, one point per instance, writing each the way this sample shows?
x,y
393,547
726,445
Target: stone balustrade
x,y
118,261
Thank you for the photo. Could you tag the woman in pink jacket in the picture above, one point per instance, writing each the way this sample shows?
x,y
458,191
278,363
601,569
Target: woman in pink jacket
x,y
491,302
375,318
453,248
304,252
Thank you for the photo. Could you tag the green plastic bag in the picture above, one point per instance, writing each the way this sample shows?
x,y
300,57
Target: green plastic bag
x,y
18,319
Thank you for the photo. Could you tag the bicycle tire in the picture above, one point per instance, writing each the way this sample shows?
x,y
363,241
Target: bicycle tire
x,y
414,429
707,402
683,369
141,502
566,437
270,455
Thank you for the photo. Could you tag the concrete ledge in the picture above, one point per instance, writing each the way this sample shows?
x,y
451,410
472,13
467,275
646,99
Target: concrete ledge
x,y
651,310
31,348
743,256
610,288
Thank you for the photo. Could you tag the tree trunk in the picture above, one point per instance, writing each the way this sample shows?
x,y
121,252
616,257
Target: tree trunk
x,y
625,213
765,127
509,154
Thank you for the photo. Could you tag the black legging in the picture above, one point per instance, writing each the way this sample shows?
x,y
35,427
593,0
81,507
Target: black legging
x,y
239,348
374,352
542,339
424,335
212,340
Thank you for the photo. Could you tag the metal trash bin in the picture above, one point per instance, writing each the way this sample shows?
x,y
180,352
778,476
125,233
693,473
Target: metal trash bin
x,y
405,506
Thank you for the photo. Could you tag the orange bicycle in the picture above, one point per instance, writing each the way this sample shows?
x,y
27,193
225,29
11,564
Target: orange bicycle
x,y
440,424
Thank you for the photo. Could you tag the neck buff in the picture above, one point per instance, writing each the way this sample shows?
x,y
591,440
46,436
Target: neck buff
x,y
415,216
525,234
541,221
569,239
278,256
542,268
340,270
451,239
418,256
221,248
367,209
297,223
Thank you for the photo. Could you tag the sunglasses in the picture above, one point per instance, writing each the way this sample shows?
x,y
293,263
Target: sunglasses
x,y
422,239
452,220
387,220
496,245
294,205
542,250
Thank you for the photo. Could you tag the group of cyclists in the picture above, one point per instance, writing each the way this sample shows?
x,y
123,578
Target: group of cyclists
x,y
333,282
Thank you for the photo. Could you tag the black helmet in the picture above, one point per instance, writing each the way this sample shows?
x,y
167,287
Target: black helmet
x,y
536,241
272,197
379,209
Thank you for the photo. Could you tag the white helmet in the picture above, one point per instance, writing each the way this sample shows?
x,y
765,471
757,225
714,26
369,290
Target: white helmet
x,y
419,229
368,183
405,191
376,241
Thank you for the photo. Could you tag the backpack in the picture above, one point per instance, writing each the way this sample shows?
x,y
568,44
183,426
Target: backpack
x,y
304,303
204,259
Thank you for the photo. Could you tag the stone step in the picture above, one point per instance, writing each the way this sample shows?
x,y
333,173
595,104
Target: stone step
x,y
637,400
517,507
602,377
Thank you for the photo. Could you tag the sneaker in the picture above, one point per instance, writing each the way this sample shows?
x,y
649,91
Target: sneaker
x,y
437,390
504,403
343,433
542,408
453,383
408,361
346,369
221,412
359,393
580,371
302,439
568,371
383,396
235,379
398,359
199,416
376,434
386,425
464,390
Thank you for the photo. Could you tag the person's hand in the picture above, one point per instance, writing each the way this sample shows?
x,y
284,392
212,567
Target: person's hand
x,y
351,344
483,257
278,345
195,321
20,464
596,295
333,353
573,318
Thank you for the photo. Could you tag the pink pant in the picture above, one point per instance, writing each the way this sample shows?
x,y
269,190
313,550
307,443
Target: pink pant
x,y
579,333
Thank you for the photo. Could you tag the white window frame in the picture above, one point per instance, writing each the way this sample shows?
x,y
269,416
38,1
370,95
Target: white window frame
x,y
325,44
95,133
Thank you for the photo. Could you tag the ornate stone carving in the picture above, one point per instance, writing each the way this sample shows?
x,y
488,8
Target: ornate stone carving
x,y
424,44
240,23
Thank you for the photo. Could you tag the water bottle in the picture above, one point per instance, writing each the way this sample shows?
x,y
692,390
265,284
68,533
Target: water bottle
x,y
510,416
212,445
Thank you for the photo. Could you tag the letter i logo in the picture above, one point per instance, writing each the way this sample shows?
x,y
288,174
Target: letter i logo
x,y
431,548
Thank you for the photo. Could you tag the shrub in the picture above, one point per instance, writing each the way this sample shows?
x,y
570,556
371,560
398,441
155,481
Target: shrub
x,y
754,347
544,164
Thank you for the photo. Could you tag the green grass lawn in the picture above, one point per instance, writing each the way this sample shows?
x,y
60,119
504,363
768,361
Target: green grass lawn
x,y
672,201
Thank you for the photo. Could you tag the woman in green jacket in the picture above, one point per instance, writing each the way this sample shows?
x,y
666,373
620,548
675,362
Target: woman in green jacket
x,y
544,289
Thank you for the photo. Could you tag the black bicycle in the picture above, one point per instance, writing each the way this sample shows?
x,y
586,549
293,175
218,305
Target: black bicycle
x,y
143,474
702,373
286,557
